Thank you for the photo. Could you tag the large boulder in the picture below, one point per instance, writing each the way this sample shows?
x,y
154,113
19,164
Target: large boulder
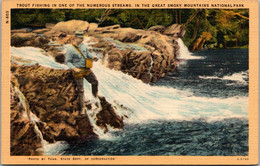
x,y
175,30
71,26
24,36
59,37
91,28
116,44
24,139
153,61
157,28
28,39
51,98
115,59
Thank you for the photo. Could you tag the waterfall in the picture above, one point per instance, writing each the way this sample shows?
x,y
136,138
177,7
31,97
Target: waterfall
x,y
150,68
184,52
23,102
28,114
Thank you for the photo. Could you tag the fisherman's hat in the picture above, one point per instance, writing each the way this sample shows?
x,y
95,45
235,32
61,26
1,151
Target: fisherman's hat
x,y
79,34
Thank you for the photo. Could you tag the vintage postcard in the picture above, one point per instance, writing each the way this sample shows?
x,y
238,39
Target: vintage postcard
x,y
147,82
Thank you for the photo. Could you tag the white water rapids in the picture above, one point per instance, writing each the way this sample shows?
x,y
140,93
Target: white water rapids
x,y
142,102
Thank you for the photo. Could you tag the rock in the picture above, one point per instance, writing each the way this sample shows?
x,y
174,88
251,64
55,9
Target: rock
x,y
162,46
71,26
60,58
24,36
116,65
52,98
128,35
28,39
157,28
24,139
59,37
49,25
118,52
51,33
157,57
175,30
39,42
40,31
107,29
108,116
23,30
115,57
102,43
91,28
58,54
150,48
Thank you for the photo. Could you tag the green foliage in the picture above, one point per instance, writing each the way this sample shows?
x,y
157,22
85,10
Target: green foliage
x,y
228,27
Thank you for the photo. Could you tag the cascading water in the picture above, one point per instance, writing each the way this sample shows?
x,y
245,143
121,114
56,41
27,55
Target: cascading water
x,y
48,148
38,56
184,52
143,99
145,105
150,68
28,114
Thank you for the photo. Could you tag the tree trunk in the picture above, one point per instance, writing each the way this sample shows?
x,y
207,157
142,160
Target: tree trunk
x,y
239,32
195,30
180,16
176,15
192,17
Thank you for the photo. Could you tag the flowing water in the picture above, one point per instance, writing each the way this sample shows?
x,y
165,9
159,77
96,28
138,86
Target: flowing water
x,y
199,109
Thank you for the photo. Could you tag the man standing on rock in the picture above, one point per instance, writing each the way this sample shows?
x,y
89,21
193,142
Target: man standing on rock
x,y
79,59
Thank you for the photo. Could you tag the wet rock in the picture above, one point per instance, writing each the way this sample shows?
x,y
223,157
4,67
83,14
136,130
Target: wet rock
x,y
107,116
24,139
58,54
115,59
60,58
133,61
28,39
18,39
52,99
114,43
59,37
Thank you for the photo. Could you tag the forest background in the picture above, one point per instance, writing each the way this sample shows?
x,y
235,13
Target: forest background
x,y
221,28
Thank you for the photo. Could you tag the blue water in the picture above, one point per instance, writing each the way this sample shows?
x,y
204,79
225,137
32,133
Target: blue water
x,y
187,138
217,74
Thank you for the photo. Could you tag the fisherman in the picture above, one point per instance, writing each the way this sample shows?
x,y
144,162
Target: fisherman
x,y
79,59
